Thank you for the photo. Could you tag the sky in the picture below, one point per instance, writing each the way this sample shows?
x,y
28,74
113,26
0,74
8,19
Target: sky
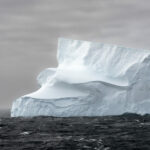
x,y
29,30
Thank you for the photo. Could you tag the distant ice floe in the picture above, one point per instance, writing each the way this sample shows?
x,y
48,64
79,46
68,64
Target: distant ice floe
x,y
92,79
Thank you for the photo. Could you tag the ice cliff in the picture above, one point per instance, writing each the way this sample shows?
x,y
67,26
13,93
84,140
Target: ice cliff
x,y
92,79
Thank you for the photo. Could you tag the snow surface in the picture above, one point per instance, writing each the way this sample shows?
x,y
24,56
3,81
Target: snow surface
x,y
92,79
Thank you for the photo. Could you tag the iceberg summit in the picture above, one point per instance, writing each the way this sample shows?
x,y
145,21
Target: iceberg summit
x,y
92,79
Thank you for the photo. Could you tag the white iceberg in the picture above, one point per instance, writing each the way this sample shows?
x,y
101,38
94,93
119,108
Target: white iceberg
x,y
92,79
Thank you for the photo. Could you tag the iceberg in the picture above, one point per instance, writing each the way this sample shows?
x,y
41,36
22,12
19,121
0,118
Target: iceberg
x,y
92,79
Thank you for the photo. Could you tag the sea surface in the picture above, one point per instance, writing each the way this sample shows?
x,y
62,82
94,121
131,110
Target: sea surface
x,y
124,132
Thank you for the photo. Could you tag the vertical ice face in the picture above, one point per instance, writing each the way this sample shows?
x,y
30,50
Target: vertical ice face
x,y
91,79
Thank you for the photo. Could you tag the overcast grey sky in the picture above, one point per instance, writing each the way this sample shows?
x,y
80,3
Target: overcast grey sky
x,y
29,30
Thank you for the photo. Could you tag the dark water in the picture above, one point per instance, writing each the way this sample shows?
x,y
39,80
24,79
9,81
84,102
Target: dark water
x,y
125,132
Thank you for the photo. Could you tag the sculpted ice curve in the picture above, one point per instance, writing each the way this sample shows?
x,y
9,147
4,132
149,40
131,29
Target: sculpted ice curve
x,y
91,79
